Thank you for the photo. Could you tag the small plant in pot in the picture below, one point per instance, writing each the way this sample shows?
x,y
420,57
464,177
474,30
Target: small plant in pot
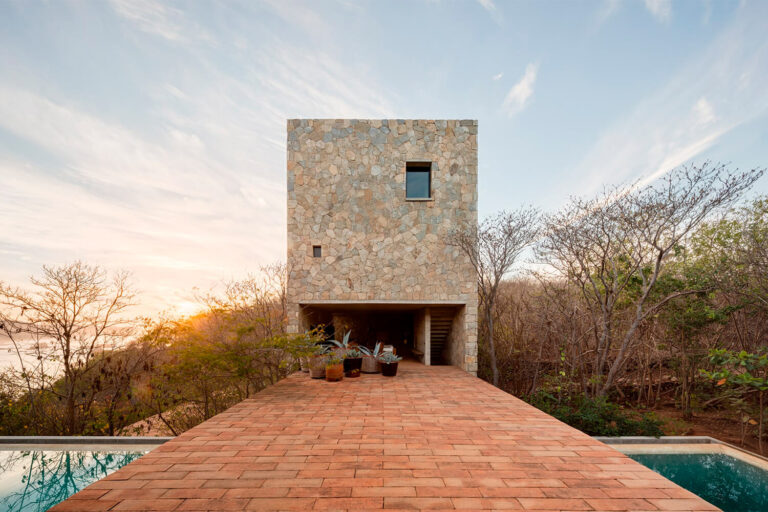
x,y
389,364
371,362
317,362
353,362
334,367
352,356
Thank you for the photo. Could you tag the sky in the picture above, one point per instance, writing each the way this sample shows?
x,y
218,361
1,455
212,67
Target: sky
x,y
150,136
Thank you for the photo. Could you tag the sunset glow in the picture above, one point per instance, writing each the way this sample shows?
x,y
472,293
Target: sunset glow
x,y
150,137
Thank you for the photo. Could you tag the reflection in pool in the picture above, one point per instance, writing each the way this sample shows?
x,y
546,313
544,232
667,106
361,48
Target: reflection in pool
x,y
35,480
726,482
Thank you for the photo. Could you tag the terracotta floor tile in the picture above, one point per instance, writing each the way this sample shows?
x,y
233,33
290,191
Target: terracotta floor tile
x,y
432,438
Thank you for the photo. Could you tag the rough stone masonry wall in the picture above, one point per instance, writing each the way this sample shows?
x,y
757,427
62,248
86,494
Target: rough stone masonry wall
x,y
346,193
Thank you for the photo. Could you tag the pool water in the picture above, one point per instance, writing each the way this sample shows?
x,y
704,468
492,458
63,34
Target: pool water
x,y
726,482
36,480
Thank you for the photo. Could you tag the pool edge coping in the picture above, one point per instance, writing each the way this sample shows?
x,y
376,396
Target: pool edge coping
x,y
674,444
74,443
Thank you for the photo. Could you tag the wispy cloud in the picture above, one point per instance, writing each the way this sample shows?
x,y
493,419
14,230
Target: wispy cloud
x,y
706,14
720,90
704,111
497,76
488,5
158,18
606,10
661,9
151,16
520,94
492,9
193,195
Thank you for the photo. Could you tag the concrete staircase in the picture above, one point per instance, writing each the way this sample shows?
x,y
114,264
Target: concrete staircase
x,y
441,320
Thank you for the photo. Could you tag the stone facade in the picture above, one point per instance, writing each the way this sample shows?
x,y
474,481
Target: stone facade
x,y
346,194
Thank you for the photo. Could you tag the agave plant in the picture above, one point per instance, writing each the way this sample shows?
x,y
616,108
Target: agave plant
x,y
354,353
319,350
389,358
372,353
371,362
389,364
344,344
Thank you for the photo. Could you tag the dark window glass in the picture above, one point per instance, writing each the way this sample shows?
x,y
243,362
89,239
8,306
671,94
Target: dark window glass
x,y
317,251
418,180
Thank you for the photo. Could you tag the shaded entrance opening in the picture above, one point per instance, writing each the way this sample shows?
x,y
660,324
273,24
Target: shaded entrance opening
x,y
429,334
368,327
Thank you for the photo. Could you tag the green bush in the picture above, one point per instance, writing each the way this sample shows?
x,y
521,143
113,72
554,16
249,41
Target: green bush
x,y
597,416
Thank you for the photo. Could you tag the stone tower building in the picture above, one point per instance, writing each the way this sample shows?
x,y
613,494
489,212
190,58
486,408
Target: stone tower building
x,y
371,204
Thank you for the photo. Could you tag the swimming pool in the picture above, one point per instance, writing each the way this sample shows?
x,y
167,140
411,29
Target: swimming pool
x,y
726,482
36,477
724,475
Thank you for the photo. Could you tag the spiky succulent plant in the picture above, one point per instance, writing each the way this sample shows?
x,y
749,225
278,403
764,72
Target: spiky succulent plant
x,y
389,358
353,353
372,353
344,344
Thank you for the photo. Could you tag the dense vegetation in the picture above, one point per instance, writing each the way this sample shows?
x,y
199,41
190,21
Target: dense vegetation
x,y
85,369
650,301
641,299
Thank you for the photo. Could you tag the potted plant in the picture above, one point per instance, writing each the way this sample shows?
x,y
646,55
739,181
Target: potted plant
x,y
371,362
353,361
317,362
389,364
344,343
346,352
334,367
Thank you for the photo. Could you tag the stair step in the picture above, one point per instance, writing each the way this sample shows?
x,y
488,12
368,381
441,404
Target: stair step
x,y
441,323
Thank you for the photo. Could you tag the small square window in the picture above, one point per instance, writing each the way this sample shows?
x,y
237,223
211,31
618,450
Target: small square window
x,y
418,180
317,251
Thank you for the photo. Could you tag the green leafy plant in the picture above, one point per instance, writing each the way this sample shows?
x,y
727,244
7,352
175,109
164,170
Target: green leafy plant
x,y
332,359
309,343
746,371
597,416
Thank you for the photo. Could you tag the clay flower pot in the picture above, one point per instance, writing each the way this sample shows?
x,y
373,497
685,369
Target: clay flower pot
x,y
352,366
334,372
371,365
317,367
389,369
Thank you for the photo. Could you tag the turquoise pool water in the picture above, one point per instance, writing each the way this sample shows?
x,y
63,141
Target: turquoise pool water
x,y
726,482
35,480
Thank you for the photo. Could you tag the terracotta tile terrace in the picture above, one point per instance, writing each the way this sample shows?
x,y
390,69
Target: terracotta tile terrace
x,y
430,438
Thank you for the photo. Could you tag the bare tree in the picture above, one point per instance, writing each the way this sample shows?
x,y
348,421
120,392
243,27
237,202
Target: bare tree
x,y
614,248
259,301
493,248
60,327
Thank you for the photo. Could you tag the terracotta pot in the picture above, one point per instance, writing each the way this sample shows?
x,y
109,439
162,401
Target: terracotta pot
x,y
371,365
389,369
317,367
352,367
334,372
